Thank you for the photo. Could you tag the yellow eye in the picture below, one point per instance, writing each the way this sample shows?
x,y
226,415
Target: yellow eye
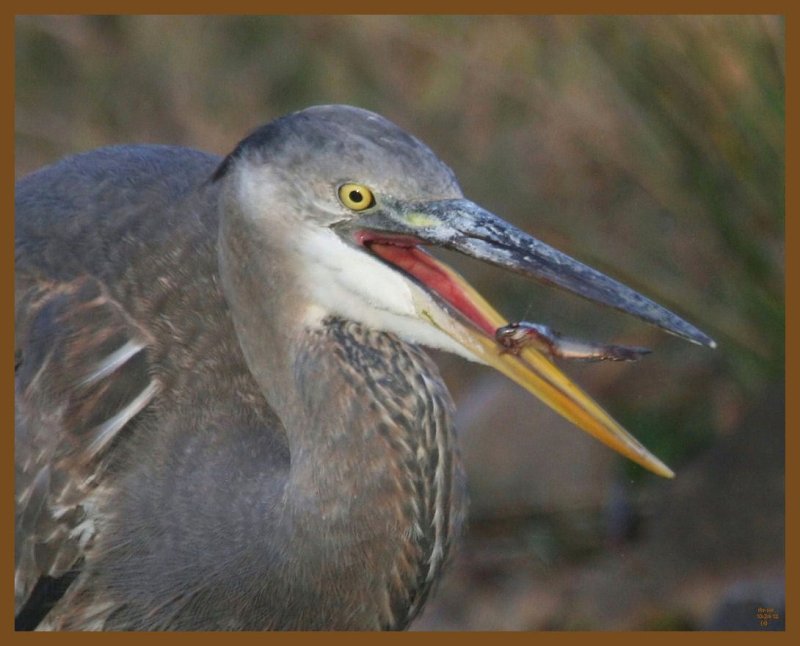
x,y
356,197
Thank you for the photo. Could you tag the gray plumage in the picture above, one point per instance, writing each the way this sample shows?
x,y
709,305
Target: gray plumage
x,y
223,418
162,482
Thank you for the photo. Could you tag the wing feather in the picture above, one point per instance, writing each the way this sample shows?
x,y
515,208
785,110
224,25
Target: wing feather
x,y
82,381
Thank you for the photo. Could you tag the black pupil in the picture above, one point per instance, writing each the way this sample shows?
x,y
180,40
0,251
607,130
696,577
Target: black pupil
x,y
356,196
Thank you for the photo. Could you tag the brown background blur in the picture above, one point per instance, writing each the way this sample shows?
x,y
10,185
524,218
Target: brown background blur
x,y
651,148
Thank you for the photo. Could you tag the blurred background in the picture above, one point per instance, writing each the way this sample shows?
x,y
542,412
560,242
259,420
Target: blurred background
x,y
649,147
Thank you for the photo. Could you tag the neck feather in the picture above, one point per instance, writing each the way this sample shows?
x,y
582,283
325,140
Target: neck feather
x,y
375,491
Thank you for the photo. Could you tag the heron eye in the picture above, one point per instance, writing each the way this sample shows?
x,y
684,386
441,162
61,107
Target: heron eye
x,y
356,197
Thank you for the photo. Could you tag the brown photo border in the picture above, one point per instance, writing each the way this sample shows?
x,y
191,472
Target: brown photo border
x,y
789,9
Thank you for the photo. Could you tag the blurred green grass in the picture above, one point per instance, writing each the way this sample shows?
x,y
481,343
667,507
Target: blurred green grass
x,y
649,147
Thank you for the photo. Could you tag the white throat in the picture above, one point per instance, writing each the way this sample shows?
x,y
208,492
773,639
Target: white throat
x,y
344,281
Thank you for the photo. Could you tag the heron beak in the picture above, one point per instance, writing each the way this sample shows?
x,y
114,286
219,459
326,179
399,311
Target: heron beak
x,y
394,233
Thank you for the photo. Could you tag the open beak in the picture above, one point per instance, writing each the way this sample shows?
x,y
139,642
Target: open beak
x,y
394,231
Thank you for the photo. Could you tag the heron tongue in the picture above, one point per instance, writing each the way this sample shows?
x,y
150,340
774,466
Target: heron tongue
x,y
422,266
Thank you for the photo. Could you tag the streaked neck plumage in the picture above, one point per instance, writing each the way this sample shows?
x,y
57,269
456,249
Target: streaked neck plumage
x,y
375,490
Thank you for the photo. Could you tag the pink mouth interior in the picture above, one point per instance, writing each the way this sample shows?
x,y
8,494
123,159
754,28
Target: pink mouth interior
x,y
404,253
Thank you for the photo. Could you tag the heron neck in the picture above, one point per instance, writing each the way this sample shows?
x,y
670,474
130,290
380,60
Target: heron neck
x,y
335,385
374,484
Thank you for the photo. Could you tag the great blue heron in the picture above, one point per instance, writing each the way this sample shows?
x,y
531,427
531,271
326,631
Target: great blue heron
x,y
223,420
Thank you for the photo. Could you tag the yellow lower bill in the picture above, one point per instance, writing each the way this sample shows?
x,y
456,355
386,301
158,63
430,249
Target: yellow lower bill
x,y
538,375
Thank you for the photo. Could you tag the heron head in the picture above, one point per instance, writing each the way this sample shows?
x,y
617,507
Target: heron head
x,y
355,200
